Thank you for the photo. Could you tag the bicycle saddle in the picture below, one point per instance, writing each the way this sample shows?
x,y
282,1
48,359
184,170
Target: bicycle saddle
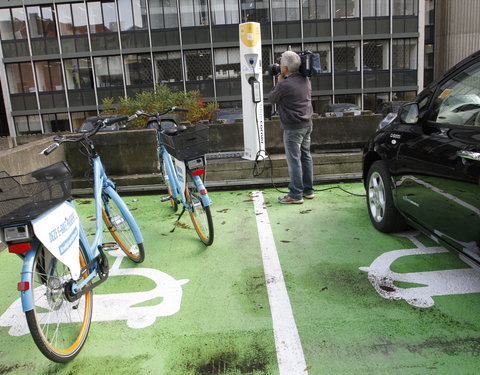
x,y
168,127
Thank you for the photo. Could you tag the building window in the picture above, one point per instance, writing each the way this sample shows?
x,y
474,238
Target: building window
x,y
138,70
345,8
56,123
346,56
227,63
108,71
49,75
255,11
41,22
285,10
193,13
20,78
28,124
224,12
19,24
163,14
72,19
323,49
348,98
375,55
375,8
102,17
168,67
316,9
405,7
78,73
132,14
404,54
198,65
6,28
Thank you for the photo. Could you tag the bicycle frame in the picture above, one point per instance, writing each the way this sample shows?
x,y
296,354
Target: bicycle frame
x,y
177,177
101,184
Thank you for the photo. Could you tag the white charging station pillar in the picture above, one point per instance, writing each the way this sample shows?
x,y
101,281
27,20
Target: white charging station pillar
x,y
252,89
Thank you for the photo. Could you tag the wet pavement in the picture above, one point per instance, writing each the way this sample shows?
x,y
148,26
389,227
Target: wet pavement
x,y
284,289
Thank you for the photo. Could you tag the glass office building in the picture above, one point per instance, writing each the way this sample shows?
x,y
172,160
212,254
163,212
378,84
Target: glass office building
x,y
61,58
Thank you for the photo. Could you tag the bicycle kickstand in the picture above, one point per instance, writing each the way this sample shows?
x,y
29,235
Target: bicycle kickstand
x,y
179,217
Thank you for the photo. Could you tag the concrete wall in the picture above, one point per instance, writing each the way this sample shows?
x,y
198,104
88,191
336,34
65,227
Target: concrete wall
x,y
134,152
328,133
26,158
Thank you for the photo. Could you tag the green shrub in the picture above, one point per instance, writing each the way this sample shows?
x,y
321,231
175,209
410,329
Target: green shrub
x,y
157,100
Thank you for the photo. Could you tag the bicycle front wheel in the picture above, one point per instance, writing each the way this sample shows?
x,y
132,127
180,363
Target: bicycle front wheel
x,y
58,327
201,215
121,230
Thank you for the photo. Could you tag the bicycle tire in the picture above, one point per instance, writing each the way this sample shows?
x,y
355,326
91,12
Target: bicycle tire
x,y
201,215
58,327
121,230
166,181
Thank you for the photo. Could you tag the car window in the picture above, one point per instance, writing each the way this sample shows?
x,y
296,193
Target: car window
x,y
457,101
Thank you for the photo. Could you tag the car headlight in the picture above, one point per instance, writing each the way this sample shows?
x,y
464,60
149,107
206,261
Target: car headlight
x,y
387,120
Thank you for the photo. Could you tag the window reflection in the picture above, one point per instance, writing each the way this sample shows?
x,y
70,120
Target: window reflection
x,y
138,70
20,78
49,76
255,11
108,71
405,7
285,10
404,54
78,73
193,13
372,8
346,56
6,29
168,67
198,65
19,25
163,14
227,63
224,12
346,8
102,17
316,9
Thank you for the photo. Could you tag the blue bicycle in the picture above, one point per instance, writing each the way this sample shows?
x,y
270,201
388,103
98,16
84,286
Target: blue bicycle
x,y
38,222
182,163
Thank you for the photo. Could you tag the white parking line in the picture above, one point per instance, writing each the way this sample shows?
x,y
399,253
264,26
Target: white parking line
x,y
290,357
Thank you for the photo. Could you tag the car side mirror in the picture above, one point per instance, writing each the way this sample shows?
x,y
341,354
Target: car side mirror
x,y
408,114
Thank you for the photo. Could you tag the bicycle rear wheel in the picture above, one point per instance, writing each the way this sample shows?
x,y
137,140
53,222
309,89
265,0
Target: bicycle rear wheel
x,y
201,215
58,327
166,181
121,230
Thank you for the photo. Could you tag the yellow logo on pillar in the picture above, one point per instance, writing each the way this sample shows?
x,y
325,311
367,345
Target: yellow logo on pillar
x,y
250,33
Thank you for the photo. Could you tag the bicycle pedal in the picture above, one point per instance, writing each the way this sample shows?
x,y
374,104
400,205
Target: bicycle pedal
x,y
109,246
165,199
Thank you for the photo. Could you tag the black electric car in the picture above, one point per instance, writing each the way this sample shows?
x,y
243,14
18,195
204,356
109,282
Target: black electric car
x,y
423,167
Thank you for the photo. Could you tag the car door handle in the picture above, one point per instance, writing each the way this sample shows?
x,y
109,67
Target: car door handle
x,y
469,155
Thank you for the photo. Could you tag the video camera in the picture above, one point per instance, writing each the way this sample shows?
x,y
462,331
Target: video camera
x,y
310,65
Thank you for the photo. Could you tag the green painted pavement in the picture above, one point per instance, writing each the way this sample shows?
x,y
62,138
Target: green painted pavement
x,y
224,324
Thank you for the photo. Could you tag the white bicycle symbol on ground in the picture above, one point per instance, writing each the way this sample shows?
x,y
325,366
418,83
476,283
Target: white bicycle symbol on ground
x,y
436,283
109,307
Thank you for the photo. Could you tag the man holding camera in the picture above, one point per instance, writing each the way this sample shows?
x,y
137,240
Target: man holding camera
x,y
292,95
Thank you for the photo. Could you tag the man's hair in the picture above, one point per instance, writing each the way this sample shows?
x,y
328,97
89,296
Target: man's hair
x,y
291,60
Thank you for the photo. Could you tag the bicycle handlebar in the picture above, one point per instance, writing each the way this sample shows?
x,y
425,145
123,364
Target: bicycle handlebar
x,y
140,112
58,140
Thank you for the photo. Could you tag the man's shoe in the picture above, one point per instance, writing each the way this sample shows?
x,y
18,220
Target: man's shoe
x,y
289,200
309,196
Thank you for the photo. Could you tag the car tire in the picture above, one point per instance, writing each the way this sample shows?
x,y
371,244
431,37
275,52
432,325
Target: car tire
x,y
381,209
